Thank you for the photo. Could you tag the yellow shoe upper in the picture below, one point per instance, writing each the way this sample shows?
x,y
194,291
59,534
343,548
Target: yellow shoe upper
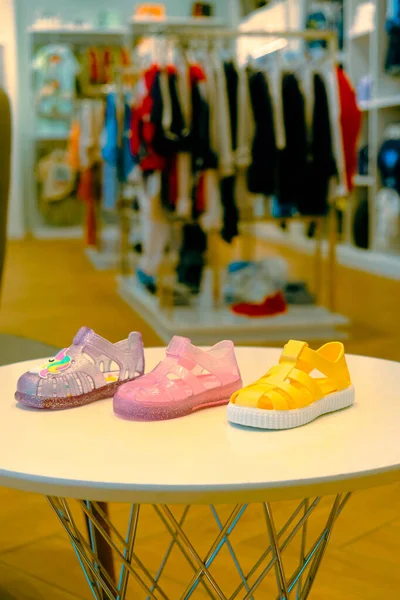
x,y
290,384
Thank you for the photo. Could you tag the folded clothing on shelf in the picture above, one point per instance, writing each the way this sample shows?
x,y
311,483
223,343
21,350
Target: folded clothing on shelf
x,y
297,292
253,281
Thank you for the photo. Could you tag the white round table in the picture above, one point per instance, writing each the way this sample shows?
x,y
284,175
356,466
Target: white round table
x,y
201,459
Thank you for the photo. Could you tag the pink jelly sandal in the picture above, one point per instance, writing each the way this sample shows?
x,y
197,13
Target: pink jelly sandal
x,y
89,370
188,379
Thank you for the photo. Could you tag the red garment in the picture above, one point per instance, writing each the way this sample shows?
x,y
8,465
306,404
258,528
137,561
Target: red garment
x,y
350,119
143,130
197,76
86,194
107,66
271,306
201,200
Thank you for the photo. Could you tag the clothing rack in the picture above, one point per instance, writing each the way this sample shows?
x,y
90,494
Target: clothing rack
x,y
320,322
328,223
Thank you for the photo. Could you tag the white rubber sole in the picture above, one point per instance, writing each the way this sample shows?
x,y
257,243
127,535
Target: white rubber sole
x,y
288,419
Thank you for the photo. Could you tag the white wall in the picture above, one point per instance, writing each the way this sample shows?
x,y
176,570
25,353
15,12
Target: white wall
x,y
8,41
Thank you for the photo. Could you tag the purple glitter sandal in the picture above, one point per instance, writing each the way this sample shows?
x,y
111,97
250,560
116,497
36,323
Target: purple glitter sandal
x,y
89,370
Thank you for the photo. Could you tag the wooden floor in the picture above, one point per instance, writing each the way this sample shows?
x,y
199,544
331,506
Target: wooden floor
x,y
50,291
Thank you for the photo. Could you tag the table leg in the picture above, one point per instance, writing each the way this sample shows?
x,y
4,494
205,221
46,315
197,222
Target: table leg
x,y
251,584
99,544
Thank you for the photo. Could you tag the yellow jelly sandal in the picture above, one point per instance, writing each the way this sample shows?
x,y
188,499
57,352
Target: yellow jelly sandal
x,y
289,395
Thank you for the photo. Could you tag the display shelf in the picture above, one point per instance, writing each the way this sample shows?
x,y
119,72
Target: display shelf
x,y
364,180
78,36
379,103
358,35
108,255
46,232
203,324
102,260
171,24
42,136
369,261
348,255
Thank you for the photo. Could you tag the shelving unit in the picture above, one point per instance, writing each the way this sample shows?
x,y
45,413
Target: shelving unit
x,y
364,181
42,137
366,56
363,54
207,316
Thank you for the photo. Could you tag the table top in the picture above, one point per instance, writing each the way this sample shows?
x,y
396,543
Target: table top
x,y
89,453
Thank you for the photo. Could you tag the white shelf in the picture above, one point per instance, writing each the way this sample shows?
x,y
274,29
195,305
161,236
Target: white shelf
x,y
78,31
358,35
364,181
369,261
79,36
379,103
204,325
171,24
45,232
51,137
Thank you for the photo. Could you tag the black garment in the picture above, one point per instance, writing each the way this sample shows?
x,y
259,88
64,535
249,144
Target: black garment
x,y
292,160
176,139
262,172
321,165
191,260
203,155
361,225
232,86
227,185
230,228
392,61
307,163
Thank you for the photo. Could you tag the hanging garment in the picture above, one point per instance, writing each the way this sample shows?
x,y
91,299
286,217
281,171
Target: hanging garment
x,y
245,200
212,218
155,227
321,167
192,260
292,159
183,160
56,69
232,86
228,193
203,156
142,127
91,118
361,225
329,73
262,172
116,153
171,135
351,120
222,127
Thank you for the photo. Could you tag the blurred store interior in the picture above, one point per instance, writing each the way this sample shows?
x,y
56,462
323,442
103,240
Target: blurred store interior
x,y
212,170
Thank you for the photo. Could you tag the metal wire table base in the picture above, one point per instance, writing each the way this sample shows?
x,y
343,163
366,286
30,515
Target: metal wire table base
x,y
271,575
